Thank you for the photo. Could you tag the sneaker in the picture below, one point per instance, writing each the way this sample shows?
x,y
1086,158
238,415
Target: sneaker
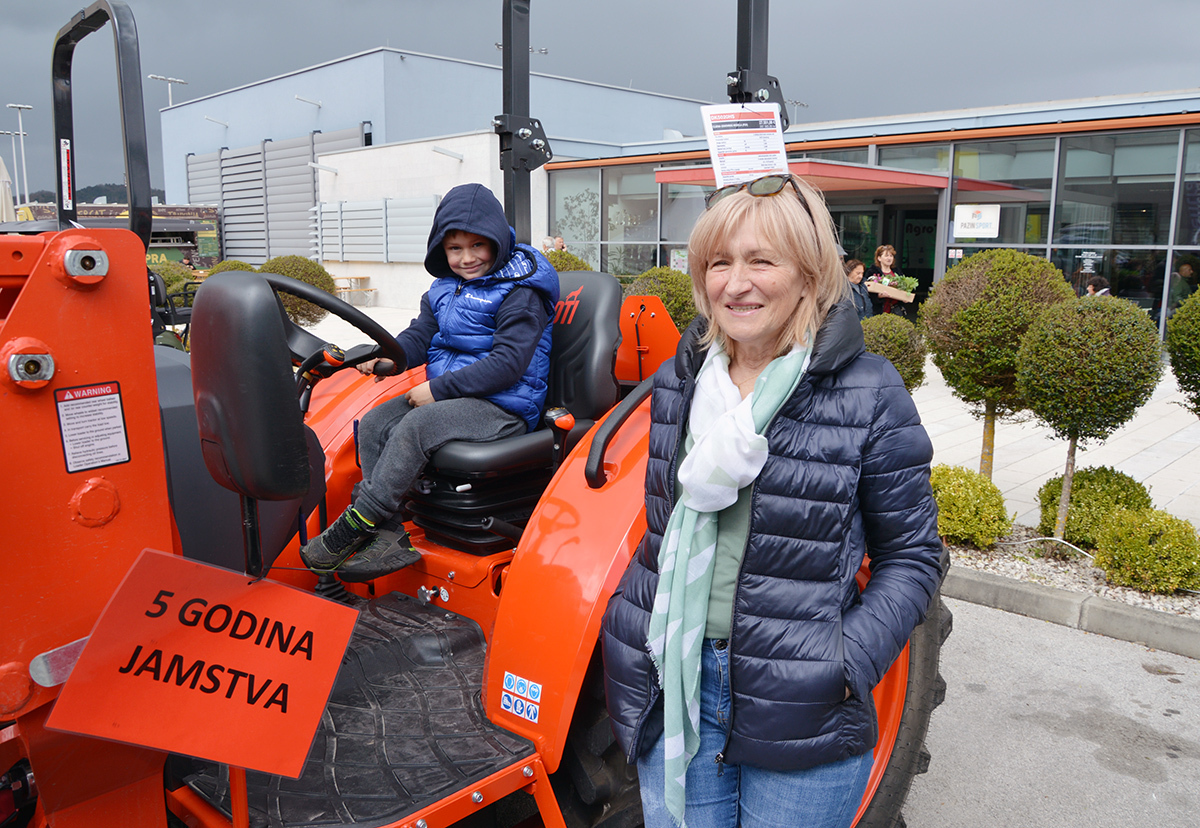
x,y
387,552
343,538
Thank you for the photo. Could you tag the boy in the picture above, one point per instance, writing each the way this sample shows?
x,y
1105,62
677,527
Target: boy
x,y
483,333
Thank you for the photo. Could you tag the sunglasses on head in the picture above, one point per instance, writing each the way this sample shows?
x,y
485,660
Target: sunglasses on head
x,y
768,185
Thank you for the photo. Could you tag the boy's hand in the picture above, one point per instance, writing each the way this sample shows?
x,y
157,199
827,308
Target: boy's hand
x,y
419,396
366,367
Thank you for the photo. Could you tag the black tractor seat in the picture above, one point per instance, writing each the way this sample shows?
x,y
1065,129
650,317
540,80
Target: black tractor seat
x,y
466,483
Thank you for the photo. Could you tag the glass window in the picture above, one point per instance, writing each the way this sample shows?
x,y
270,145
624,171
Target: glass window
x,y
1184,277
1017,175
1116,189
628,259
934,158
575,206
858,232
682,205
1136,275
1188,232
848,156
630,204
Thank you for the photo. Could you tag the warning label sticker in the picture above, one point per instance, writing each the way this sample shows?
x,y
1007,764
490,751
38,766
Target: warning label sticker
x,y
92,424
520,697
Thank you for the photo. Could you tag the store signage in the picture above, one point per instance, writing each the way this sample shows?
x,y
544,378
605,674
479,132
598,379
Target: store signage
x,y
976,221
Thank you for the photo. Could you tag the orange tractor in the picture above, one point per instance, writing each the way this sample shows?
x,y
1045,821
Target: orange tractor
x,y
168,661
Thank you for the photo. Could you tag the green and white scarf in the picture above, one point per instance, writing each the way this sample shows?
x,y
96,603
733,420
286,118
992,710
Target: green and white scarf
x,y
726,452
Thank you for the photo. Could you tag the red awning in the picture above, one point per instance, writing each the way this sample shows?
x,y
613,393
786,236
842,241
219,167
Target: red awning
x,y
826,176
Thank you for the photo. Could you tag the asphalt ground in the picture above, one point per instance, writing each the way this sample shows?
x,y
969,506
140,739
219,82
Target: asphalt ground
x,y
1045,726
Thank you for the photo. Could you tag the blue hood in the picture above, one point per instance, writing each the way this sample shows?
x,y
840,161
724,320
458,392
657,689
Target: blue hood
x,y
474,209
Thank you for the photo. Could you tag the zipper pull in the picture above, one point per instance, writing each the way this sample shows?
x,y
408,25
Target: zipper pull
x,y
720,765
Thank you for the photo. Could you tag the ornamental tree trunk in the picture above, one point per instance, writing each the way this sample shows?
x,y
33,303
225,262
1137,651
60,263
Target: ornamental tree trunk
x,y
989,439
1060,522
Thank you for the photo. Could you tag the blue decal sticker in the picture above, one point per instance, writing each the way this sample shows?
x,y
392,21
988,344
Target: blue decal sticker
x,y
510,681
506,701
535,692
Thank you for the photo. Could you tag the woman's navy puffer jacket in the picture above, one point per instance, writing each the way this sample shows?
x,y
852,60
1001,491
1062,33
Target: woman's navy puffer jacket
x,y
848,474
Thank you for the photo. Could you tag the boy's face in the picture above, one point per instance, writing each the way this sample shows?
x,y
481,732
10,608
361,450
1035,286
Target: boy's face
x,y
468,254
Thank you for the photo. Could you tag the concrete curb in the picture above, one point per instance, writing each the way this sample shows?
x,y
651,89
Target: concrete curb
x,y
1102,616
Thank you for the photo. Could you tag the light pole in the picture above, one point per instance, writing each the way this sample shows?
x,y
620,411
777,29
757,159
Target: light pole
x,y
169,81
16,181
21,132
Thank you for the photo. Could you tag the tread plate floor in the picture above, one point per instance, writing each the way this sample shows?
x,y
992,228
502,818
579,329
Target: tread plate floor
x,y
404,727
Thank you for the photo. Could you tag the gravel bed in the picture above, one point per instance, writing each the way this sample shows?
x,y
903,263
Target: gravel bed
x,y
1024,562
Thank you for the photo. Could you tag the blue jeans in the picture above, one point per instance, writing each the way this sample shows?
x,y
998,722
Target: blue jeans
x,y
727,796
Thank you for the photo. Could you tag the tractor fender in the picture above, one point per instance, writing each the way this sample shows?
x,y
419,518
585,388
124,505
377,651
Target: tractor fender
x,y
571,557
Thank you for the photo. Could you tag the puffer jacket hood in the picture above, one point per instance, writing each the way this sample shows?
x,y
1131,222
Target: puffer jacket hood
x,y
474,209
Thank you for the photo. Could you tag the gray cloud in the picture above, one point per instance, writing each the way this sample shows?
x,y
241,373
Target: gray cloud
x,y
868,58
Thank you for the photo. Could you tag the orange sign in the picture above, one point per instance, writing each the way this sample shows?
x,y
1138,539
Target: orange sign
x,y
194,659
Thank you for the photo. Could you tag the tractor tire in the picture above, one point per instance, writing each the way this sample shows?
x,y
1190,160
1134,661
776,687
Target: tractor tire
x,y
925,690
594,785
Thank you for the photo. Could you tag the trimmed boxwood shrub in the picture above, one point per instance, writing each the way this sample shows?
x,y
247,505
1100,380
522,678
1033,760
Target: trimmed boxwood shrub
x,y
564,261
305,270
970,507
230,264
1095,494
174,275
1150,550
899,342
673,286
1183,345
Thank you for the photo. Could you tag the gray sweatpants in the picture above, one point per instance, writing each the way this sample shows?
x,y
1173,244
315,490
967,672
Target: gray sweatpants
x,y
395,441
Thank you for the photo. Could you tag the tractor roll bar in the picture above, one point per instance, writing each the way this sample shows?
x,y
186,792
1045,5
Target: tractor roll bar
x,y
133,120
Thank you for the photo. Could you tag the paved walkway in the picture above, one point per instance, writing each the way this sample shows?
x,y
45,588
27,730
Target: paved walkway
x,y
1160,447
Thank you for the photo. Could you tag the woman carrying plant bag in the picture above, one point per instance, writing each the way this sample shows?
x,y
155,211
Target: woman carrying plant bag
x,y
739,654
883,271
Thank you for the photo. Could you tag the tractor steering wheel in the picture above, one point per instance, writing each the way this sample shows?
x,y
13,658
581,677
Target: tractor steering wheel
x,y
304,345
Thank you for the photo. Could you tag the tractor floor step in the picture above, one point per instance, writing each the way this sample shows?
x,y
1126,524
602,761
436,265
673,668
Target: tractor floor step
x,y
404,727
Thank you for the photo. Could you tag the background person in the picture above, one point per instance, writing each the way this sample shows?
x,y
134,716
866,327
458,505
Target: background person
x,y
739,656
858,290
1097,286
885,260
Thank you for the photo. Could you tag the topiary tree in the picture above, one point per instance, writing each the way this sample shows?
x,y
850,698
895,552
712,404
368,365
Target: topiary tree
x,y
673,286
973,321
1084,368
230,264
1150,550
564,261
899,342
1183,346
304,270
970,507
1095,494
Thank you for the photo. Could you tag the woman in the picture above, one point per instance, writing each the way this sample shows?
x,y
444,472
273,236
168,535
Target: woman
x,y
858,290
885,258
737,645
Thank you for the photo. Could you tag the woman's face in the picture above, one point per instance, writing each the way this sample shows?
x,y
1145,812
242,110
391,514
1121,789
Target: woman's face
x,y
855,276
886,258
753,291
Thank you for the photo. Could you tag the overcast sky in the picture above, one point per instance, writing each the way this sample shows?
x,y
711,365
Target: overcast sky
x,y
853,59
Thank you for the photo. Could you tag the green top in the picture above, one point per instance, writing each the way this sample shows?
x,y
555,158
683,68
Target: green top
x,y
733,530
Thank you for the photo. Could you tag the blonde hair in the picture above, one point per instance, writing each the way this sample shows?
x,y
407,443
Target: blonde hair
x,y
805,239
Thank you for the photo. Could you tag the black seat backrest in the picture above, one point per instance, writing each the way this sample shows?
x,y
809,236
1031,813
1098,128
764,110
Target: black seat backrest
x,y
586,335
251,428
